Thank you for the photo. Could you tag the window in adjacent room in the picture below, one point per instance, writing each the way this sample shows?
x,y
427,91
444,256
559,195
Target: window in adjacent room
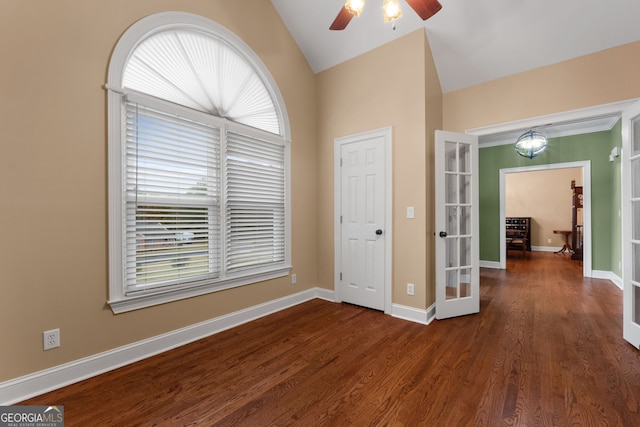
x,y
198,164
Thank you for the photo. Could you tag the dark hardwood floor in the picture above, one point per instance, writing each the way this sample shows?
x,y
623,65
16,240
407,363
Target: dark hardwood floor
x,y
545,350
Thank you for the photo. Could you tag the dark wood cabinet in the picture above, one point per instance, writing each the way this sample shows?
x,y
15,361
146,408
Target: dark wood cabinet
x,y
521,225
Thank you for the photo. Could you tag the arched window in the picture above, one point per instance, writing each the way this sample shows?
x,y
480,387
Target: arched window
x,y
198,164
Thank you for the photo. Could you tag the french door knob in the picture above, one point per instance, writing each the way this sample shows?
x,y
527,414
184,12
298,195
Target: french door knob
x,y
379,232
443,234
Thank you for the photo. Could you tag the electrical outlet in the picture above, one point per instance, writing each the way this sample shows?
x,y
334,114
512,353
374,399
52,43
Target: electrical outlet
x,y
51,339
548,240
410,289
294,279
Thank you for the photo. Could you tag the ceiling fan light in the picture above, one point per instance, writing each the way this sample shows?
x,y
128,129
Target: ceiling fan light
x,y
354,6
530,144
391,10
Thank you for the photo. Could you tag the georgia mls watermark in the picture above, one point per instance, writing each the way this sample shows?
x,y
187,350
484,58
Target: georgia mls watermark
x,y
31,416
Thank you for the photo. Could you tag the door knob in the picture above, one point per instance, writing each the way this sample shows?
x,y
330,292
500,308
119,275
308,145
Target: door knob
x,y
443,234
379,232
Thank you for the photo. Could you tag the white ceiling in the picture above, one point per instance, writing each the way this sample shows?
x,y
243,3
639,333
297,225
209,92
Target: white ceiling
x,y
473,41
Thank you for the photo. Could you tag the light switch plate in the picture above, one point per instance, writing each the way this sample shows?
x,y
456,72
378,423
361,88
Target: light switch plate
x,y
410,212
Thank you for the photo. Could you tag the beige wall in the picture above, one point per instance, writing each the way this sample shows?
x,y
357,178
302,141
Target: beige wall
x,y
53,212
546,197
382,88
601,78
434,122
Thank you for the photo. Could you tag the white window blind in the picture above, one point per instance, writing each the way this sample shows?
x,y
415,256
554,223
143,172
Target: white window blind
x,y
199,166
172,229
255,202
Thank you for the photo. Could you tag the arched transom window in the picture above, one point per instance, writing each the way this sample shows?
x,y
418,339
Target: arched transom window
x,y
203,72
199,164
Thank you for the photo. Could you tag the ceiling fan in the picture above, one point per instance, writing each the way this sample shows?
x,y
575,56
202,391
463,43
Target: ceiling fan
x,y
424,8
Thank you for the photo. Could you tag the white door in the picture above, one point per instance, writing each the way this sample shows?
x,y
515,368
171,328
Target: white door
x,y
457,250
362,220
631,223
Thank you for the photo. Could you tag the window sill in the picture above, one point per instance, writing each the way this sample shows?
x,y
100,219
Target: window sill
x,y
157,297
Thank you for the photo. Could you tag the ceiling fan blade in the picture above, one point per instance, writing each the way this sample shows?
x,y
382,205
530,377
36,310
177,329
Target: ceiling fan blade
x,y
425,8
342,20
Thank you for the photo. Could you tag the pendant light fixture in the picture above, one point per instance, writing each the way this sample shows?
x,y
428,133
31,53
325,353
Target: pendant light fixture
x,y
530,144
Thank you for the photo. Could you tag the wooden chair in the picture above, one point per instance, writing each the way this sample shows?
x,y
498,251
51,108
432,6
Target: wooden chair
x,y
517,239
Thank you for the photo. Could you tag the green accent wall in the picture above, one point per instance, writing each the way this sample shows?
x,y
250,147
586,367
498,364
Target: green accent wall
x,y
595,147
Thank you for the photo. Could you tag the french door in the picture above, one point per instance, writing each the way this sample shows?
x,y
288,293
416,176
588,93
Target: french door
x,y
457,249
631,223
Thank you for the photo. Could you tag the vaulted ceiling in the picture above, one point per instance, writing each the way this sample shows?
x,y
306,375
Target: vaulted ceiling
x,y
473,41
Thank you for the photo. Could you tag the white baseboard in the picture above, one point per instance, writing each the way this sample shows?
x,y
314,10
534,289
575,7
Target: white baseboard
x,y
325,294
608,275
414,314
545,248
35,384
490,264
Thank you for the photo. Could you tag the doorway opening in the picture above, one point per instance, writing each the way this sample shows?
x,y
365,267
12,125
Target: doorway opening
x,y
575,122
547,223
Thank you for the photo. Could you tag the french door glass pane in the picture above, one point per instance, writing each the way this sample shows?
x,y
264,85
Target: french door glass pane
x,y
636,304
635,220
452,252
451,186
465,251
452,284
465,189
465,220
635,178
465,158
450,149
465,282
636,136
452,220
635,262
